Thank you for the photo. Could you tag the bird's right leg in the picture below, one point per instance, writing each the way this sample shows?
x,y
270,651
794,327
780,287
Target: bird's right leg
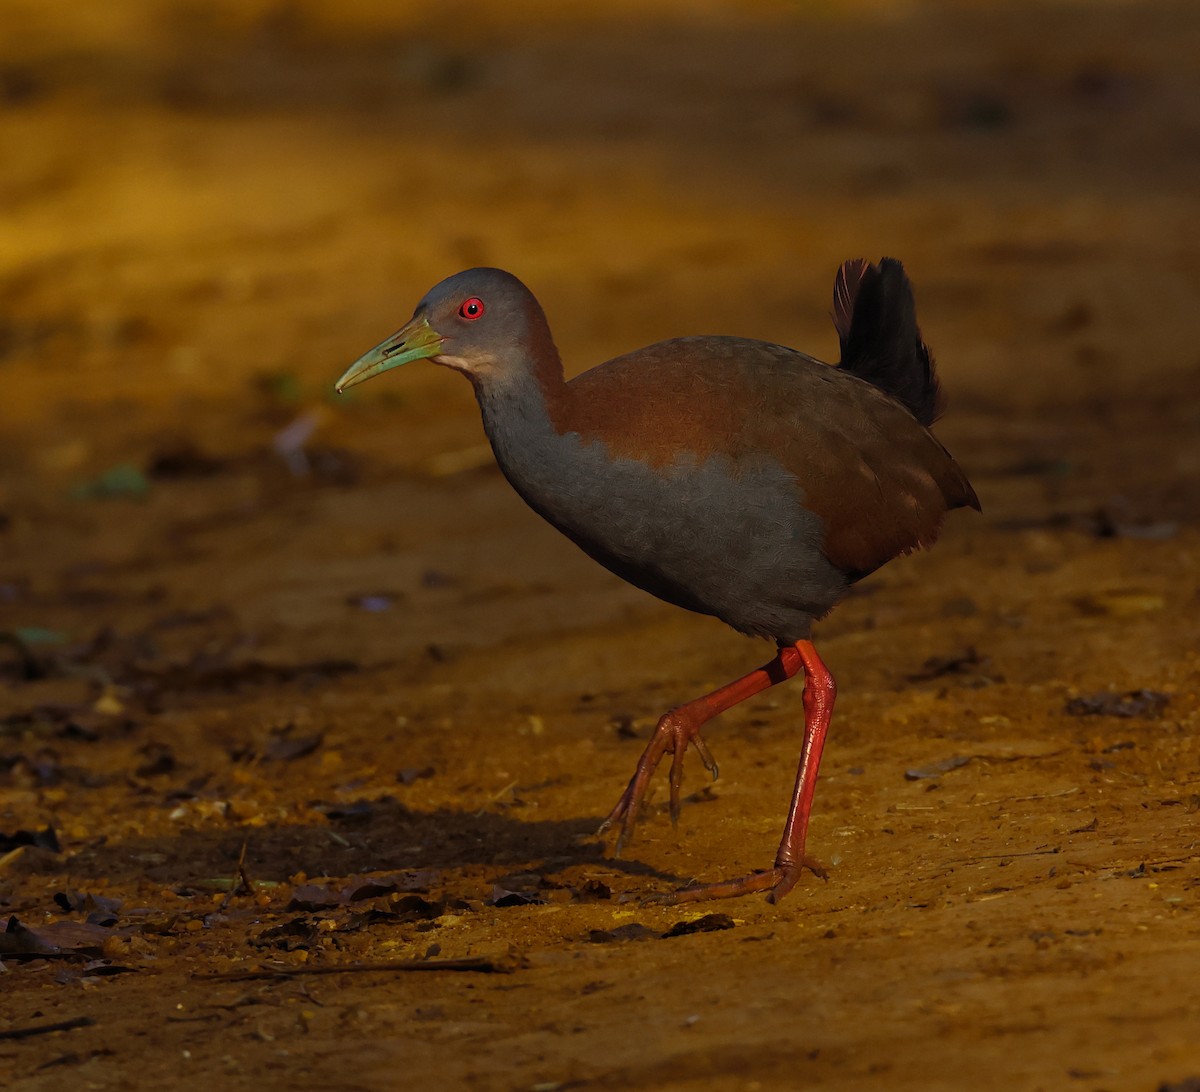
x,y
680,728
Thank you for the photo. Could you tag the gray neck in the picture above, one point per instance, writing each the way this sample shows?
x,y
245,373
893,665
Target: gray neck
x,y
537,460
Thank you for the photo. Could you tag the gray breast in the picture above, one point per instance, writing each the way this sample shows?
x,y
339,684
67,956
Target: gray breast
x,y
718,537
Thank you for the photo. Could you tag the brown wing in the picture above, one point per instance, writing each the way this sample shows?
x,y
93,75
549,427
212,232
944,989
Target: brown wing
x,y
878,479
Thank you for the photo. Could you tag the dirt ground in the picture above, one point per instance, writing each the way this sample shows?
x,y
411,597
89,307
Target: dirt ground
x,y
294,682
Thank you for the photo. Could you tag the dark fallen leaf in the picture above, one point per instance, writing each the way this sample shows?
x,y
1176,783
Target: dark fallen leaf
x,y
706,794
161,924
12,591
372,887
420,879
309,896
632,931
357,891
1120,519
79,902
415,908
43,767
160,759
45,1029
356,812
593,891
77,936
968,662
315,897
28,666
188,791
226,670
1078,316
623,725
1107,527
373,602
60,939
478,966
17,942
364,919
1136,703
284,747
297,933
412,773
502,897
937,768
78,728
184,460
75,1058
45,838
405,910
710,923
102,968
69,900
981,108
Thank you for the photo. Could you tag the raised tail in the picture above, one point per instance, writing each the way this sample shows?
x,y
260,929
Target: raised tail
x,y
876,320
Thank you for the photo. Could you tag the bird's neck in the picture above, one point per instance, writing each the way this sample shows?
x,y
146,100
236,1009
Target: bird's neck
x,y
526,414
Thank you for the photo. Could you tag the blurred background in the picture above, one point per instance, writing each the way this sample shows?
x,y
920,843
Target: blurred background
x,y
198,195
208,209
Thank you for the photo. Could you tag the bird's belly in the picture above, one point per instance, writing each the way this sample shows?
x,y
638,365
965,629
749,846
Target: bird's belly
x,y
734,541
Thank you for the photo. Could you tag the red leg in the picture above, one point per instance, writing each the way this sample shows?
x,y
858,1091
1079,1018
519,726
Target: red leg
x,y
681,727
820,692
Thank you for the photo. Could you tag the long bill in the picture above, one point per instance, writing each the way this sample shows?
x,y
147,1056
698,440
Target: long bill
x,y
415,340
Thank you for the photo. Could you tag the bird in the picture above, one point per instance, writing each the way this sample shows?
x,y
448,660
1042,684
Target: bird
x,y
730,476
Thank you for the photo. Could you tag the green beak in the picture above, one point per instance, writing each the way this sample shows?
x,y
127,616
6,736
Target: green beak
x,y
416,340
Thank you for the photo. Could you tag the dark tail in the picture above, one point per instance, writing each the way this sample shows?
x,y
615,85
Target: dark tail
x,y
876,321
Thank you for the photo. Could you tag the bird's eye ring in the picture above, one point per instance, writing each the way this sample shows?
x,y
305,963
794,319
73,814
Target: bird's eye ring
x,y
471,309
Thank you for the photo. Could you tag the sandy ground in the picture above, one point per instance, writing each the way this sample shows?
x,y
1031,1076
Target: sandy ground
x,y
372,675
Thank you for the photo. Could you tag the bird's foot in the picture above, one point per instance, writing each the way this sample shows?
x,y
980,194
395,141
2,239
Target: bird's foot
x,y
675,732
776,882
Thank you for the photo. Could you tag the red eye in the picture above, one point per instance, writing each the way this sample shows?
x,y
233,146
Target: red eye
x,y
471,309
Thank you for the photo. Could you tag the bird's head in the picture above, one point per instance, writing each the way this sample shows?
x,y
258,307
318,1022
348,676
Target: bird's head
x,y
483,322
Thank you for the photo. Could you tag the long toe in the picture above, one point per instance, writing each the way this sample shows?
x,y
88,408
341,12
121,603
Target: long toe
x,y
675,733
775,882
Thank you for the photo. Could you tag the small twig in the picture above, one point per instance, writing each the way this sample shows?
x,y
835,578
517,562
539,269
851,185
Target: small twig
x,y
243,883
494,798
247,883
1006,856
11,857
1018,799
45,1029
480,966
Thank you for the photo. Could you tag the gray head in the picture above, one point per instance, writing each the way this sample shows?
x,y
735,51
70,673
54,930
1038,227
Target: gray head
x,y
482,322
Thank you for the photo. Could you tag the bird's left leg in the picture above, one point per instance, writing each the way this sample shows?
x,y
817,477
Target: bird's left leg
x,y
680,728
